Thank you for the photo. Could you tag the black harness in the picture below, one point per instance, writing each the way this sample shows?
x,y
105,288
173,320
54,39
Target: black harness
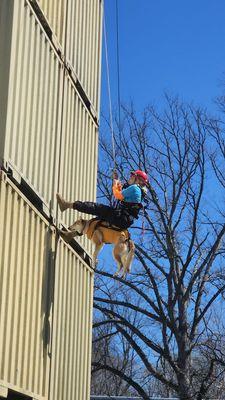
x,y
132,209
105,224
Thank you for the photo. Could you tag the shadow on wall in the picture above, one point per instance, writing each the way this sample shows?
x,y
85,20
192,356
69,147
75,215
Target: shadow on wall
x,y
16,396
48,280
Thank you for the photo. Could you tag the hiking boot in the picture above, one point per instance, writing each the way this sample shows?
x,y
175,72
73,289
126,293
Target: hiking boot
x,y
63,204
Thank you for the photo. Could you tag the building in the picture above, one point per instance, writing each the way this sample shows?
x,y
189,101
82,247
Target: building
x,y
50,57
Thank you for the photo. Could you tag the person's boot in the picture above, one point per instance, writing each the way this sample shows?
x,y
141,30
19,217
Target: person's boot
x,y
63,204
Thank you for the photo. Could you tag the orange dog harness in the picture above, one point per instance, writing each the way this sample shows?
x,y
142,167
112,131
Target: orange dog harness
x,y
111,233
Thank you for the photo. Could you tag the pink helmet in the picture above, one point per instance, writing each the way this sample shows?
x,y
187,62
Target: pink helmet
x,y
140,174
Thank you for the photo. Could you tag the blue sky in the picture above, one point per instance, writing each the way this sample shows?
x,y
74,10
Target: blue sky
x,y
177,46
165,45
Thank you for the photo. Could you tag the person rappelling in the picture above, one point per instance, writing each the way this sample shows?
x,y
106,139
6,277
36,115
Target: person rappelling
x,y
129,196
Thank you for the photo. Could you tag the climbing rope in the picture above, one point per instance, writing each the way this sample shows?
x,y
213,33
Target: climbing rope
x,y
118,63
109,93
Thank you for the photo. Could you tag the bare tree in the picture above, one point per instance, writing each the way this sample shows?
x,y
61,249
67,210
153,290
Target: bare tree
x,y
118,355
178,275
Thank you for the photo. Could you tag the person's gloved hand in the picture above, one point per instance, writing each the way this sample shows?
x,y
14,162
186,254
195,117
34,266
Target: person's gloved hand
x,y
117,189
115,174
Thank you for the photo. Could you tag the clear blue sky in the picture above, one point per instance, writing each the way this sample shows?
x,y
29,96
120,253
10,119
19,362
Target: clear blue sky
x,y
165,45
176,46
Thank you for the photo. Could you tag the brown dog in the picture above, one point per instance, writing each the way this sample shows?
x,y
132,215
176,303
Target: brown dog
x,y
100,233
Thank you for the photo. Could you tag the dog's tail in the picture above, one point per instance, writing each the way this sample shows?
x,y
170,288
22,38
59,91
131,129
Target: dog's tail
x,y
130,255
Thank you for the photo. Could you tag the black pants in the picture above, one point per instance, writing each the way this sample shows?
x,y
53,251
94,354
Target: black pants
x,y
114,216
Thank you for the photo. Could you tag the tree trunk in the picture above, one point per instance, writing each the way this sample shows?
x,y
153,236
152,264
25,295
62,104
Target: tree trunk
x,y
184,390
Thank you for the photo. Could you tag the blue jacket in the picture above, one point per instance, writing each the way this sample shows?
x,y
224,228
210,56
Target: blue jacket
x,y
132,194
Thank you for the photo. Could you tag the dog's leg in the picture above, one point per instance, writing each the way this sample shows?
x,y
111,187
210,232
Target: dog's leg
x,y
67,235
129,258
95,254
117,254
97,238
119,267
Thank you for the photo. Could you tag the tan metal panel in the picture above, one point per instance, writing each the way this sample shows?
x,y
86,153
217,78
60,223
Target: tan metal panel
x,y
78,155
26,278
55,13
77,25
72,326
83,45
33,100
6,15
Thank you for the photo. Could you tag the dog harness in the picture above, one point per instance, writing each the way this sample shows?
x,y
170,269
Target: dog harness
x,y
111,233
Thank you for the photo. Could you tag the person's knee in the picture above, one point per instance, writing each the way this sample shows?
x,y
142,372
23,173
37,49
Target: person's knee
x,y
75,205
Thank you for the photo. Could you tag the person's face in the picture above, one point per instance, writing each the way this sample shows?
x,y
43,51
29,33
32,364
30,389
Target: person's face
x,y
140,181
132,179
136,179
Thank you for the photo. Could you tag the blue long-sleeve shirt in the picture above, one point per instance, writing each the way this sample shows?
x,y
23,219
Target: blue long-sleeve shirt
x,y
132,194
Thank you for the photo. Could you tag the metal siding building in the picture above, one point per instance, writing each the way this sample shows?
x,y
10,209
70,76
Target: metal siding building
x,y
78,153
83,46
71,346
46,128
50,56
76,30
31,126
26,243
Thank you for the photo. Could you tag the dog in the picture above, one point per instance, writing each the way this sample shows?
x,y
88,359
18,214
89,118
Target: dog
x,y
100,233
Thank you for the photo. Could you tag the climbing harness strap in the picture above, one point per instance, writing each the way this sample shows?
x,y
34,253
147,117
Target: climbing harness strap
x,y
106,225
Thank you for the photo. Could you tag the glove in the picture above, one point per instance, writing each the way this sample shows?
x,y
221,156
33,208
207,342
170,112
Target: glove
x,y
115,174
117,190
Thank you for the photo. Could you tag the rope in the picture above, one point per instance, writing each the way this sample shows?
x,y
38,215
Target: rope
x,y
118,62
109,93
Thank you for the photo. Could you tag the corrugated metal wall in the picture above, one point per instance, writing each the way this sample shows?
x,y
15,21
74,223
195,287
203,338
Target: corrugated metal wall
x,y
26,253
55,13
78,154
47,121
77,27
83,46
71,348
39,271
49,106
34,101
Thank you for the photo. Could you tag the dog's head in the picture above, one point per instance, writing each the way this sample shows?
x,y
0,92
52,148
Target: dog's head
x,y
78,225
